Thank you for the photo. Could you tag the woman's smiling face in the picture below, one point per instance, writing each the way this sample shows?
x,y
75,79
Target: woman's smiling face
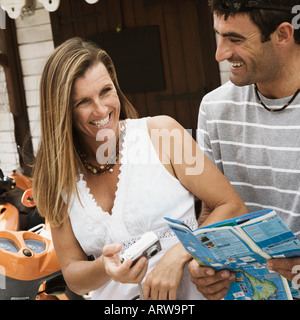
x,y
96,106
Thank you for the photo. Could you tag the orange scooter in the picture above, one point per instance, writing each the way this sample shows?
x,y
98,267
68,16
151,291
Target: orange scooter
x,y
14,215
27,260
29,268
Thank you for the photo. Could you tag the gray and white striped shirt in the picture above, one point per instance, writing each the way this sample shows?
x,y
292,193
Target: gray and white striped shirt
x,y
257,150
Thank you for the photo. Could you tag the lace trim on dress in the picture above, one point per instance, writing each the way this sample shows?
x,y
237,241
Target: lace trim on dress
x,y
90,196
162,233
121,180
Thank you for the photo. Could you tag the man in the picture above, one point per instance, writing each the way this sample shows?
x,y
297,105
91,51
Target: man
x,y
250,127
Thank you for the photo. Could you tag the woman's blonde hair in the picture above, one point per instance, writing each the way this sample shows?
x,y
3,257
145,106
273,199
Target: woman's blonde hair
x,y
57,163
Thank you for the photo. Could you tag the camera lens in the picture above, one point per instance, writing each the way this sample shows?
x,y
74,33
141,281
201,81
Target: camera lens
x,y
152,251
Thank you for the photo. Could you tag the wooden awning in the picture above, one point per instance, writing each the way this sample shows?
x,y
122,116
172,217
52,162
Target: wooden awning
x,y
14,8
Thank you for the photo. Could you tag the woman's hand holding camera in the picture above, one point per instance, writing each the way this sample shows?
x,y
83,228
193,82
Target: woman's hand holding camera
x,y
123,272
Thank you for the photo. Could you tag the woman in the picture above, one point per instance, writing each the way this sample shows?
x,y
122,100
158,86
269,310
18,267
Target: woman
x,y
103,181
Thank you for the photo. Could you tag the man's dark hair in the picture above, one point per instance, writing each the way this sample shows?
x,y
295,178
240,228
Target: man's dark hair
x,y
267,20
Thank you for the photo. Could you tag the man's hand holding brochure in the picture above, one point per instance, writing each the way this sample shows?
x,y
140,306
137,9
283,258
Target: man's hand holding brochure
x,y
244,245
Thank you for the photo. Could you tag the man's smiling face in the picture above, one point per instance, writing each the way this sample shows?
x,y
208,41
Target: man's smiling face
x,y
240,44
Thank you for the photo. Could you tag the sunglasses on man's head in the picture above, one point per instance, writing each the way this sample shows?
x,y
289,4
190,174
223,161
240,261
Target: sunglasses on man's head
x,y
244,6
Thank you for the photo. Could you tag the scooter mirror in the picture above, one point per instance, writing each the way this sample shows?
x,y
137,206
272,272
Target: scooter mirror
x,y
27,199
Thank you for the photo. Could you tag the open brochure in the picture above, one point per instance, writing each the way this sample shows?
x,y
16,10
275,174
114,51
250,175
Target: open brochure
x,y
243,245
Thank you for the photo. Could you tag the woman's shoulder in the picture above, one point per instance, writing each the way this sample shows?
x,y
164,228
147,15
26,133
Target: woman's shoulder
x,y
162,122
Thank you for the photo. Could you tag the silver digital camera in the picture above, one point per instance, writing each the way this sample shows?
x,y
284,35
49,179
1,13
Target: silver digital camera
x,y
148,246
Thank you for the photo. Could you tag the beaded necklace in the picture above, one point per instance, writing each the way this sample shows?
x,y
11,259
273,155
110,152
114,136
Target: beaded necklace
x,y
108,166
275,110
